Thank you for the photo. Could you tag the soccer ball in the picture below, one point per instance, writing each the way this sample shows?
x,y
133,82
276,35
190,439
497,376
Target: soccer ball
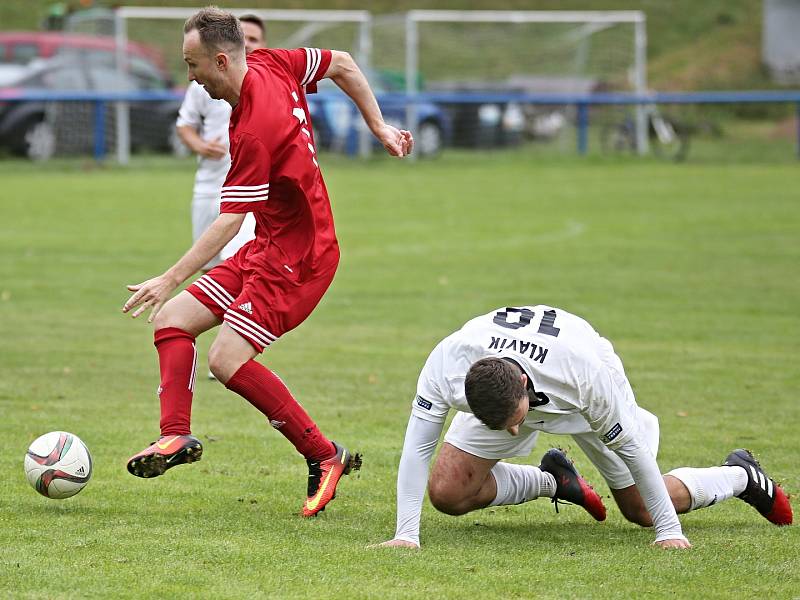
x,y
58,464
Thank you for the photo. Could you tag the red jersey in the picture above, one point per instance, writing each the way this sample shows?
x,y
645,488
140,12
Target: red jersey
x,y
274,172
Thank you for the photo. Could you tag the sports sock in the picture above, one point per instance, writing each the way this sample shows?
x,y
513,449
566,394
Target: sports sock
x,y
520,483
177,361
265,390
711,485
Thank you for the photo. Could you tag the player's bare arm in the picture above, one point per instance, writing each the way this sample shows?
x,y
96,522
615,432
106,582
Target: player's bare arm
x,y
213,149
153,293
345,73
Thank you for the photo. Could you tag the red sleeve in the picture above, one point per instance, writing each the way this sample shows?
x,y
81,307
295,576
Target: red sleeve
x,y
309,65
246,187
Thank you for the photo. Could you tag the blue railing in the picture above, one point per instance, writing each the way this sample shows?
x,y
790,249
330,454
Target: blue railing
x,y
99,100
581,101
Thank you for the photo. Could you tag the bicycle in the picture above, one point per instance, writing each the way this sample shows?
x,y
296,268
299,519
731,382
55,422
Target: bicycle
x,y
667,138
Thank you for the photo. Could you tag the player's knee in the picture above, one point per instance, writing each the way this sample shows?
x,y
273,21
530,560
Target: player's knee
x,y
222,364
219,364
165,318
445,499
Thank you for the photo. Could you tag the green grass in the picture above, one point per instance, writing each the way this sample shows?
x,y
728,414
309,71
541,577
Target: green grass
x,y
691,270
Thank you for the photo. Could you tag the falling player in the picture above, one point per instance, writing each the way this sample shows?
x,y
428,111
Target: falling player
x,y
272,283
517,371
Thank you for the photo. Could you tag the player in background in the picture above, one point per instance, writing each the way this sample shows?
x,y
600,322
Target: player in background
x,y
273,282
202,126
517,371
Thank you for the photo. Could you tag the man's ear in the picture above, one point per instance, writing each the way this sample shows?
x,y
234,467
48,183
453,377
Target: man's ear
x,y
221,60
524,380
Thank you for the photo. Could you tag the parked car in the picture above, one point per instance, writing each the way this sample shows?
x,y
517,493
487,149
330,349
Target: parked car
x,y
337,123
478,123
38,129
21,47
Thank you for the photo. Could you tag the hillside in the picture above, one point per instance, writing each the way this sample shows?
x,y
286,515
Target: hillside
x,y
692,45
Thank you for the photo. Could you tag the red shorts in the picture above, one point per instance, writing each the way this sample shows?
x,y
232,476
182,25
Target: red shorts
x,y
259,305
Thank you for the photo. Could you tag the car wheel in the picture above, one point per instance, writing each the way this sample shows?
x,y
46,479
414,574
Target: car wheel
x,y
39,140
429,139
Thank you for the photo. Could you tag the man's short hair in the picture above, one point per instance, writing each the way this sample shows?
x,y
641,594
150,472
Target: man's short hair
x,y
255,20
494,389
218,29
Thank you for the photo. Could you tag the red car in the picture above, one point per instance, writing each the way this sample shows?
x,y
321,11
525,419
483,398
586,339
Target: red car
x,y
21,47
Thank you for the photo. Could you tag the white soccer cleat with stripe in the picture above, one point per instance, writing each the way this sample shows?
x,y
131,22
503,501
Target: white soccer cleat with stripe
x,y
761,492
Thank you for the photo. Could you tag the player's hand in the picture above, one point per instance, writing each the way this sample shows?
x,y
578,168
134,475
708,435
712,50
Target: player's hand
x,y
213,149
150,294
681,543
398,142
395,544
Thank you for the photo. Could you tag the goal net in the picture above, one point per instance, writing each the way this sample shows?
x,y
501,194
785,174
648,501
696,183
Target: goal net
x,y
513,52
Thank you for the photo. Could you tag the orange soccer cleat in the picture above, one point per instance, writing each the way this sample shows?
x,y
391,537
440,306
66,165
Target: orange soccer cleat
x,y
323,476
167,452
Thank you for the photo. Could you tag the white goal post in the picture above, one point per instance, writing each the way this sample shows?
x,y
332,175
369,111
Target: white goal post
x,y
587,23
315,21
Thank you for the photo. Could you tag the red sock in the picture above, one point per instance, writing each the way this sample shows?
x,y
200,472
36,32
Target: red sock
x,y
177,359
265,390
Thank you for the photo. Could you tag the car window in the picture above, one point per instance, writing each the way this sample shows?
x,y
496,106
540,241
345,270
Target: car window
x,y
10,74
147,75
24,53
143,75
65,79
110,80
99,58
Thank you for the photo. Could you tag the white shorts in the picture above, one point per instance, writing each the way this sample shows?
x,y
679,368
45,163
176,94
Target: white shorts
x,y
205,210
246,233
467,433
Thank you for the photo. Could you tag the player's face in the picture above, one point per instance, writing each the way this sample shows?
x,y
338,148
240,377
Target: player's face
x,y
202,66
253,37
518,417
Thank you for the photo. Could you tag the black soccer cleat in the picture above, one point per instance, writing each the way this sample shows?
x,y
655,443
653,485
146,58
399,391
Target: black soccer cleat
x,y
762,493
570,486
169,451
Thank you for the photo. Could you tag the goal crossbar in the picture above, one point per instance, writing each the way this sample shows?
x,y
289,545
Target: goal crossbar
x,y
528,16
636,18
174,12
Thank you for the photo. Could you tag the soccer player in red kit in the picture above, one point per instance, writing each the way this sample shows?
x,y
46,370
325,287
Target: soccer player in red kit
x,y
274,282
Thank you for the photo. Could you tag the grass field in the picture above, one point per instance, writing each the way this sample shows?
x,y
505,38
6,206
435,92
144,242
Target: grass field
x,y
693,271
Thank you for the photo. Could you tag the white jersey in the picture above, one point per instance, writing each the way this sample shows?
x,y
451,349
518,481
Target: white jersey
x,y
210,118
576,383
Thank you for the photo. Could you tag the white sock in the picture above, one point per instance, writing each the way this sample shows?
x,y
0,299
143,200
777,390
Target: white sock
x,y
711,485
520,483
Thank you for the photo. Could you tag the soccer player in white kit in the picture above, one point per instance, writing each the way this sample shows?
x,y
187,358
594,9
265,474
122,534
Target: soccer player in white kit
x,y
519,370
202,125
